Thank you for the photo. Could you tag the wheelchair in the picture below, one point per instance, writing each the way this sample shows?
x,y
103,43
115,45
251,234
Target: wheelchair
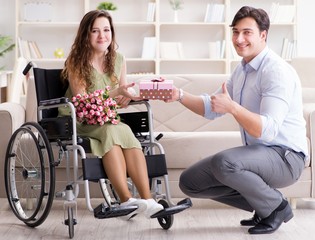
x,y
36,149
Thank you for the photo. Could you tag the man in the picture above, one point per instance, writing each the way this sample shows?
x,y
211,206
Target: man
x,y
264,96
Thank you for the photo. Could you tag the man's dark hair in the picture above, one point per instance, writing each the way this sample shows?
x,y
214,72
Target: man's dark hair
x,y
259,15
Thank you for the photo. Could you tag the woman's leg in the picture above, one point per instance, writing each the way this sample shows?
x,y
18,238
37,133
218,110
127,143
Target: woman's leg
x,y
119,161
115,166
137,171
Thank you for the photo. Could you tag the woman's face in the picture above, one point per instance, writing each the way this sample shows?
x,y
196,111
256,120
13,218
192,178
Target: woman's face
x,y
101,34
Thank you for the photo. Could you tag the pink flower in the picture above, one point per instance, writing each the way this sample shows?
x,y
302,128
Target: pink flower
x,y
115,121
92,112
100,108
106,118
109,113
99,119
80,114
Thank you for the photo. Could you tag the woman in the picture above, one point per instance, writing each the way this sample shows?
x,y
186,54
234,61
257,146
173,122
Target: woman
x,y
92,64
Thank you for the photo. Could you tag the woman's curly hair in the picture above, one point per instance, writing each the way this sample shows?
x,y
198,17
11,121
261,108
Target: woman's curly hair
x,y
78,62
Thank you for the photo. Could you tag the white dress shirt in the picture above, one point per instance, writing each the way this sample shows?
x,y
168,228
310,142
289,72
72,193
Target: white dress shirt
x,y
270,87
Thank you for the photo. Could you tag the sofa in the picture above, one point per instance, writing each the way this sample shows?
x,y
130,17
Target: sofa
x,y
187,137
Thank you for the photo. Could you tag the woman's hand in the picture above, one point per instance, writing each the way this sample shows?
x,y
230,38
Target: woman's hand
x,y
125,94
122,101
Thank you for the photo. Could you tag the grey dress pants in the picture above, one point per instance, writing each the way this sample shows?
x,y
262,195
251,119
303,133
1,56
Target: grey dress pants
x,y
245,177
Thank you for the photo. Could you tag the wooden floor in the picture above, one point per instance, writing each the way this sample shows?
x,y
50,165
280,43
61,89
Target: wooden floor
x,y
205,220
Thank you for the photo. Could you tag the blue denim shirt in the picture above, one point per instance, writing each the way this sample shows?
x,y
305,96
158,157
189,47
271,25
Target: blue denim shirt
x,y
270,87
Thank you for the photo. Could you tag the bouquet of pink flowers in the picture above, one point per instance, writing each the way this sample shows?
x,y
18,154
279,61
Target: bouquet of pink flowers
x,y
96,108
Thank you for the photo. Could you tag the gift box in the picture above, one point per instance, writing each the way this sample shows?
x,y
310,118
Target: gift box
x,y
157,88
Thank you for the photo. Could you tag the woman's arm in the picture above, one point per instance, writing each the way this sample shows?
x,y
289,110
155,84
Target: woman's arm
x,y
122,94
76,86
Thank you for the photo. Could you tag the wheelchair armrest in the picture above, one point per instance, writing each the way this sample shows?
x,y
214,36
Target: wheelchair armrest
x,y
54,101
144,101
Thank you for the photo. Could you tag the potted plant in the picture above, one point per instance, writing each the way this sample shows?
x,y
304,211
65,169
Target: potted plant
x,y
6,46
108,6
176,5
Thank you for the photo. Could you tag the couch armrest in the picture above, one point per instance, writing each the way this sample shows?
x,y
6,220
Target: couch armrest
x,y
12,116
309,115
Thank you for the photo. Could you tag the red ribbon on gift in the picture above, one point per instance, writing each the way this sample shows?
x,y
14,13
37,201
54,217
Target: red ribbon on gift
x,y
160,79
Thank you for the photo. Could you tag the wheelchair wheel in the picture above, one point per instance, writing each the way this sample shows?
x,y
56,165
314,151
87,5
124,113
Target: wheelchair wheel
x,y
70,222
30,174
167,221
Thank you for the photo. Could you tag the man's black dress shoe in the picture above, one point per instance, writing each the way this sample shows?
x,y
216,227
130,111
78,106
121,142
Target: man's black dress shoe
x,y
252,221
271,223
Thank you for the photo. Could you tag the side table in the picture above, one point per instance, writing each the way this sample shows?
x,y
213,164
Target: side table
x,y
5,77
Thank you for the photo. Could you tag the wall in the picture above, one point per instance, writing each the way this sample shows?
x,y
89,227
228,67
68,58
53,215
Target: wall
x,y
305,18
7,27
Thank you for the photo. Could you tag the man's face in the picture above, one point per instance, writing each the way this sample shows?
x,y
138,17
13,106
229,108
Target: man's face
x,y
248,41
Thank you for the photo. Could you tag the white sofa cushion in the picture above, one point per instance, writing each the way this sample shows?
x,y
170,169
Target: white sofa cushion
x,y
182,149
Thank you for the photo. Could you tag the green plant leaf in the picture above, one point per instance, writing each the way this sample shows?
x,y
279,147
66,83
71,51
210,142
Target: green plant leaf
x,y
7,49
106,6
176,4
6,46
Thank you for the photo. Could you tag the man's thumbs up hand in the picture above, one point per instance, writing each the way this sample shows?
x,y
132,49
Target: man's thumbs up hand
x,y
221,103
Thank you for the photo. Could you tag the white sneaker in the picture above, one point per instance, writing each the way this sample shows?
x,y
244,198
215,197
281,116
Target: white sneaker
x,y
152,208
140,203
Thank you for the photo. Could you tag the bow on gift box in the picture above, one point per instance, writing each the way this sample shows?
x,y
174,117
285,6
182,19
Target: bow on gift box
x,y
160,79
156,82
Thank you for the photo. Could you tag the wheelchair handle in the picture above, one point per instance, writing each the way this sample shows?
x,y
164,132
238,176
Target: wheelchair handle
x,y
27,68
158,137
54,101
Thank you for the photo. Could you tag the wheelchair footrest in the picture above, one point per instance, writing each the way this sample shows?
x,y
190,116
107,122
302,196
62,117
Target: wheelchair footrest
x,y
181,206
102,211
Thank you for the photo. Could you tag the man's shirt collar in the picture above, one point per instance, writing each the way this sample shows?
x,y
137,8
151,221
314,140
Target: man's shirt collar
x,y
255,63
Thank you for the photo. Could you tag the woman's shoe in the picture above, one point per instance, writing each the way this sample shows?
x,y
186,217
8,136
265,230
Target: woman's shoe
x,y
152,208
140,203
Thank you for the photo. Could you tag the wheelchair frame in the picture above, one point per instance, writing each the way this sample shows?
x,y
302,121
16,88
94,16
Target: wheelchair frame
x,y
30,167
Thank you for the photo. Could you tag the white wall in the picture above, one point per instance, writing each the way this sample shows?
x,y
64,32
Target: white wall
x,y
305,28
7,27
305,18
